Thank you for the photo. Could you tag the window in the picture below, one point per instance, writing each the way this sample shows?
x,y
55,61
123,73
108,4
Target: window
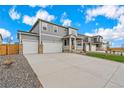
x,y
44,25
44,28
55,29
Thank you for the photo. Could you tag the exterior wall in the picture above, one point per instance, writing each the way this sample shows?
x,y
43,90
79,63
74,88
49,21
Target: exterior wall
x,y
51,38
29,37
72,31
35,29
61,31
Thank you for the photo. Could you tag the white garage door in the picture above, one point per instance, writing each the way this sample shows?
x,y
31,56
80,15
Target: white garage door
x,y
93,47
52,47
87,47
30,47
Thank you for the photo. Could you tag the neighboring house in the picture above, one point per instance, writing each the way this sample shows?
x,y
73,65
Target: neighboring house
x,y
1,39
47,37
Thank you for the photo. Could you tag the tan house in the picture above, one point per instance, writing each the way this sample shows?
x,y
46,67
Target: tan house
x,y
48,37
1,39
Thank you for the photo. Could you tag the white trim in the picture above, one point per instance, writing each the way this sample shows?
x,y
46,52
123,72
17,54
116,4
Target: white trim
x,y
28,33
28,40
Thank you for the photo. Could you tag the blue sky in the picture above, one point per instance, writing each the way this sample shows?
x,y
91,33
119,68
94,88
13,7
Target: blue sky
x,y
107,21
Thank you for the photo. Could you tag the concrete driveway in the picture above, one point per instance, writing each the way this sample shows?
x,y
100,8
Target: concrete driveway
x,y
73,70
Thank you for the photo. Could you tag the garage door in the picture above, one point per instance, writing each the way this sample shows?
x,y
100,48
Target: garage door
x,y
93,47
30,47
52,47
87,47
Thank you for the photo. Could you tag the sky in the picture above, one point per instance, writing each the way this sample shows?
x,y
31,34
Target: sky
x,y
107,21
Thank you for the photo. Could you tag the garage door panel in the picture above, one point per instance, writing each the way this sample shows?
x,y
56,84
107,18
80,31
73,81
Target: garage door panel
x,y
93,48
30,47
52,47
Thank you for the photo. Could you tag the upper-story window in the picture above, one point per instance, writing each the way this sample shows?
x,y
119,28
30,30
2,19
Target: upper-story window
x,y
86,39
44,28
44,25
55,29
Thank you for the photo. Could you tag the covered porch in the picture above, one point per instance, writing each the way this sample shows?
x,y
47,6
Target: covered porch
x,y
71,43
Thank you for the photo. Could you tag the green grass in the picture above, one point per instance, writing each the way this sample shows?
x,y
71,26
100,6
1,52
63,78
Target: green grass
x,y
107,56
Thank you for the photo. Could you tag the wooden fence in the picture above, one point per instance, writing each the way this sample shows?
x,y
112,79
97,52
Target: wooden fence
x,y
8,49
116,49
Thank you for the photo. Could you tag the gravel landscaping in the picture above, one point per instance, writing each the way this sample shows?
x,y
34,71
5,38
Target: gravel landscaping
x,y
17,75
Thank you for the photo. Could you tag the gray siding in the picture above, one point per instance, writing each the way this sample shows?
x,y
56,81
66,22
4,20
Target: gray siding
x,y
36,29
50,38
50,30
72,31
29,37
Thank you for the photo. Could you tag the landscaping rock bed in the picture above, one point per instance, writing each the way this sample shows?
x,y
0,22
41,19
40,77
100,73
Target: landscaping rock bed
x,y
18,75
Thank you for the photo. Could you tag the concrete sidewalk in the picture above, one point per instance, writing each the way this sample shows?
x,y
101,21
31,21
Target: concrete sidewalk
x,y
66,70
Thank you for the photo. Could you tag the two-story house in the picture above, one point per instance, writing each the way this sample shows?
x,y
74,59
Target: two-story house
x,y
47,37
1,39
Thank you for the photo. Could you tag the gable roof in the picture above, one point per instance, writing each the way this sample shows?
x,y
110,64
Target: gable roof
x,y
50,23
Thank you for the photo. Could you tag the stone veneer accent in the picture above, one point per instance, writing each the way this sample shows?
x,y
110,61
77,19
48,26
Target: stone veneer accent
x,y
20,49
40,49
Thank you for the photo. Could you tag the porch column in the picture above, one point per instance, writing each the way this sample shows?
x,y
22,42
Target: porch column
x,y
82,44
70,43
75,44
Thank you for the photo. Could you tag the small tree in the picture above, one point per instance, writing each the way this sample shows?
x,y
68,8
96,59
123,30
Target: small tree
x,y
7,62
9,40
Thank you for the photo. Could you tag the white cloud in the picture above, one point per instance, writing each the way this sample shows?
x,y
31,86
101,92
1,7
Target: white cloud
x,y
116,33
107,11
5,33
29,20
14,14
42,6
42,14
64,20
112,12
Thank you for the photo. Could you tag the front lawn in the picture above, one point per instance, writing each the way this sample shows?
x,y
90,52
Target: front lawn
x,y
106,56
